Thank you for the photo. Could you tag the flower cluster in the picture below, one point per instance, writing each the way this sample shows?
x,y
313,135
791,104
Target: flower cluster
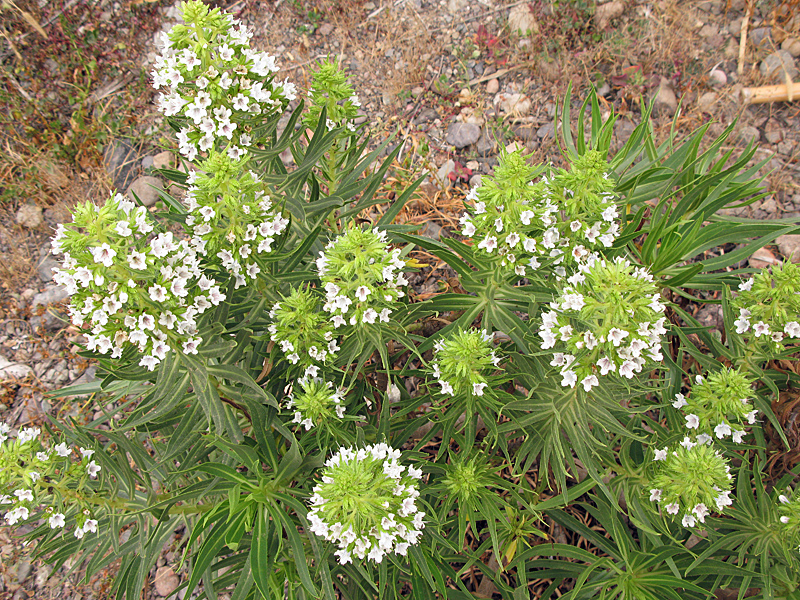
x,y
31,474
366,504
608,319
215,82
564,217
129,287
719,404
331,90
462,363
692,479
768,306
303,333
231,216
317,403
361,277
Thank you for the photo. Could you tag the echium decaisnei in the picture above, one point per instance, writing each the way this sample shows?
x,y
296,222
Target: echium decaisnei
x,y
302,330
362,278
232,218
219,87
609,319
129,285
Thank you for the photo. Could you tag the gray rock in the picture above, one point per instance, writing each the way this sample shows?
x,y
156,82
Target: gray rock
x,y
444,171
525,132
120,160
57,214
147,162
50,320
624,129
665,102
426,115
773,132
748,134
475,180
166,581
485,144
604,13
792,46
9,370
761,37
762,258
51,295
164,160
789,245
146,189
462,135
29,216
325,29
23,569
46,266
707,101
521,20
431,230
778,65
546,131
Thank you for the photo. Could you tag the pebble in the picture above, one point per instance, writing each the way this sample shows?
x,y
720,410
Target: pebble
x,y
51,295
146,189
778,65
748,134
164,160
23,570
717,77
761,37
762,258
166,581
485,144
462,135
9,370
521,20
546,131
773,132
665,101
792,46
45,267
707,101
513,104
120,160
789,246
492,86
604,13
325,29
444,171
29,216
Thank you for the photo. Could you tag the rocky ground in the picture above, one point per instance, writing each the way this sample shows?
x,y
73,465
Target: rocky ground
x,y
458,80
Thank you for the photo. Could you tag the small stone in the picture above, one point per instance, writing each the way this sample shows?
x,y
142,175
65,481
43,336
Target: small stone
x,y
431,230
792,46
9,370
665,101
605,13
485,144
164,160
29,216
417,91
45,267
325,29
475,180
426,115
443,174
773,132
748,134
146,189
717,77
762,258
513,104
166,581
462,135
23,570
492,86
789,246
51,295
521,20
546,131
120,160
761,37
147,162
707,101
778,65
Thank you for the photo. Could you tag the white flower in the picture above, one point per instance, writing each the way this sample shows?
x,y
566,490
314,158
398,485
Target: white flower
x,y
447,388
489,243
477,388
688,521
90,526
672,508
627,369
661,454
362,292
783,499
692,421
606,365
655,495
617,335
56,520
569,378
701,510
62,450
760,329
86,453
93,469
589,382
785,520
680,401
745,286
24,495
722,430
792,329
751,416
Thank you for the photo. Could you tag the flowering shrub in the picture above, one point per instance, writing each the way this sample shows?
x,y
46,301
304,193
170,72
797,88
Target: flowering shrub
x,y
264,365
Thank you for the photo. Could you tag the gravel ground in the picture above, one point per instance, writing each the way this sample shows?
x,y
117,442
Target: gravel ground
x,y
459,80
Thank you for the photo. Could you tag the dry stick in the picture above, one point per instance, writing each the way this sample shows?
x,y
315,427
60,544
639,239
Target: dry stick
x,y
770,93
743,37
